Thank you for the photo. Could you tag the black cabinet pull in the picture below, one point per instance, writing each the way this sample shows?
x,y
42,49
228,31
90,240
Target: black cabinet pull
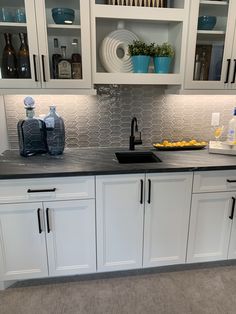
x,y
43,66
227,73
149,190
141,192
231,181
35,69
39,220
232,210
41,191
233,80
47,216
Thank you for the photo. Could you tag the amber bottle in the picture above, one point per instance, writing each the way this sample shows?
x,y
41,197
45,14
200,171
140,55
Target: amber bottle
x,y
23,58
9,61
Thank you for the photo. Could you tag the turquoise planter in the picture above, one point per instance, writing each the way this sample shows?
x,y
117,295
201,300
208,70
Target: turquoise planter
x,y
140,63
162,64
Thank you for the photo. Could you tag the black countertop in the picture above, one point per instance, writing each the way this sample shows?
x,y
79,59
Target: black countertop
x,y
97,161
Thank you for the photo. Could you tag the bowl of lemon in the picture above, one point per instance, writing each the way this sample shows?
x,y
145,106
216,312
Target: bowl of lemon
x,y
181,145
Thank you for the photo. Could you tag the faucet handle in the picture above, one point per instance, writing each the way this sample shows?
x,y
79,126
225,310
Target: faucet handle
x,y
138,139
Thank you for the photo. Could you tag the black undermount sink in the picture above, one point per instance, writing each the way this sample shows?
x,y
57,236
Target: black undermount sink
x,y
136,157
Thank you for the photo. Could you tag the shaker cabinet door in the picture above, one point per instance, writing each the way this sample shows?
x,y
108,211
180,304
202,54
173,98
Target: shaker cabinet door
x,y
119,221
22,242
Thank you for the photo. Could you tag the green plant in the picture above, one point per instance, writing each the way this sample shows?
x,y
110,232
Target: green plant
x,y
139,47
164,50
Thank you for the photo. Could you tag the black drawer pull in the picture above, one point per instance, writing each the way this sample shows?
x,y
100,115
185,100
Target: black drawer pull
x,y
43,66
39,220
232,210
41,191
149,190
231,181
141,192
35,69
227,73
233,80
47,216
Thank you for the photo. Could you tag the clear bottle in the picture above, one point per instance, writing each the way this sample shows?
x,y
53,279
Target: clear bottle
x,y
64,65
23,58
55,58
55,132
31,132
203,69
231,135
9,61
197,68
76,62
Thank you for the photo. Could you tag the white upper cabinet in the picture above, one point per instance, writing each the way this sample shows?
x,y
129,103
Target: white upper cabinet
x,y
59,54
211,49
149,24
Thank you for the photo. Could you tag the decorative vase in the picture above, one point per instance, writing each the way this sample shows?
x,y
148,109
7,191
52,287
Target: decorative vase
x,y
162,64
140,63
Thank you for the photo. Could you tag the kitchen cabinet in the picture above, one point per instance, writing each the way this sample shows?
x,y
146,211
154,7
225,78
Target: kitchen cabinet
x,y
150,24
212,220
167,209
125,216
211,54
119,210
60,234
41,33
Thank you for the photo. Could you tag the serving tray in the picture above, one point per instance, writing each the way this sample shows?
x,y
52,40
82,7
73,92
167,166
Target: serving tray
x,y
190,147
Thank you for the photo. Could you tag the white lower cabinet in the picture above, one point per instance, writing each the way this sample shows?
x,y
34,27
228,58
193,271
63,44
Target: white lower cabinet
x,y
131,208
210,227
22,243
167,210
119,221
70,237
68,229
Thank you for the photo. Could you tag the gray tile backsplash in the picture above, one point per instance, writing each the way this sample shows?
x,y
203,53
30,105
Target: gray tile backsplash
x,y
104,120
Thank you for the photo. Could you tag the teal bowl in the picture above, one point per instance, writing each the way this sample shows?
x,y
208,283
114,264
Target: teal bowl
x,y
206,22
63,15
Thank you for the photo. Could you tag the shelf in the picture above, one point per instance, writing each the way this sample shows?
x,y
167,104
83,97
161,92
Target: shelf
x,y
207,2
12,24
210,33
137,78
64,26
138,13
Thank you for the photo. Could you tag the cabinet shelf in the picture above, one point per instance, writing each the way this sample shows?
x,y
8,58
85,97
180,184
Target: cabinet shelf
x,y
64,26
201,32
207,2
136,78
138,13
12,24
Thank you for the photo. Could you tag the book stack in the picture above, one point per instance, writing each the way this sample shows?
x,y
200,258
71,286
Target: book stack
x,y
140,3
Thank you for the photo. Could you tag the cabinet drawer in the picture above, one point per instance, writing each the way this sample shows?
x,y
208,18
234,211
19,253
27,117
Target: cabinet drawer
x,y
214,181
60,188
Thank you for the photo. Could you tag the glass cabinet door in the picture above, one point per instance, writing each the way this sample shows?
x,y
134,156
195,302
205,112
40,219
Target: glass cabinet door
x,y
64,43
19,64
210,44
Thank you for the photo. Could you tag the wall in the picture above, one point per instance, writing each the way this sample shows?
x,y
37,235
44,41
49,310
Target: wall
x,y
3,133
104,120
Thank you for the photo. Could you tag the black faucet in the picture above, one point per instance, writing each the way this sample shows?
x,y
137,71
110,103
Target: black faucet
x,y
132,140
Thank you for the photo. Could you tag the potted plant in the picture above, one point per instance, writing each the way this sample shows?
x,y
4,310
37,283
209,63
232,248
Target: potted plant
x,y
140,54
163,56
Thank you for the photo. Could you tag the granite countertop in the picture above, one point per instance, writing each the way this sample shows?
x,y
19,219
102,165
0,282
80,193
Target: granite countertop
x,y
97,161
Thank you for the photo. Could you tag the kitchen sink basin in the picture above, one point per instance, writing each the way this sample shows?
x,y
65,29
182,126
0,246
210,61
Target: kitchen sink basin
x,y
136,157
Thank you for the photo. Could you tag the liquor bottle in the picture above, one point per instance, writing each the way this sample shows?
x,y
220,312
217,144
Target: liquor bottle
x,y
55,58
23,58
76,63
31,132
203,69
197,68
64,65
9,61
231,135
55,132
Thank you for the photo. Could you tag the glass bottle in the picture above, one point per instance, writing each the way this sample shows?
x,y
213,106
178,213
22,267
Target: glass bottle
x,y
23,58
203,69
197,68
55,132
9,61
64,65
55,58
76,62
31,132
